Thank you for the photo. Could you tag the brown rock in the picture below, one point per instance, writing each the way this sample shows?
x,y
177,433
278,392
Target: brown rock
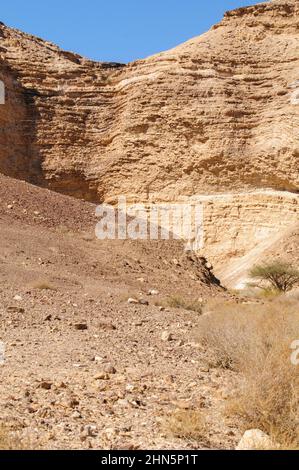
x,y
166,336
46,385
81,326
109,369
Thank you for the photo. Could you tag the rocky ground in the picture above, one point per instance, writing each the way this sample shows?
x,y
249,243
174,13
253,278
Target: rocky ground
x,y
83,367
95,372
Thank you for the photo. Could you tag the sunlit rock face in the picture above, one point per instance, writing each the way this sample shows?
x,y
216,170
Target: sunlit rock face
x,y
216,115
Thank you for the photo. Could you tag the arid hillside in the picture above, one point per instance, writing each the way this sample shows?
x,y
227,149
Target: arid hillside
x,y
32,219
97,334
105,343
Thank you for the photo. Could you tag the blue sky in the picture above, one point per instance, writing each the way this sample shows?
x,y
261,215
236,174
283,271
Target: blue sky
x,y
116,30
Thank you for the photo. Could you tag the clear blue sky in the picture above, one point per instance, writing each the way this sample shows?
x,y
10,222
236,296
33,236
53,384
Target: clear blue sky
x,y
116,30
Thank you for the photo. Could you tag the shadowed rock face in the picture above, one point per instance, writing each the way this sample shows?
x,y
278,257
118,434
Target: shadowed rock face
x,y
215,114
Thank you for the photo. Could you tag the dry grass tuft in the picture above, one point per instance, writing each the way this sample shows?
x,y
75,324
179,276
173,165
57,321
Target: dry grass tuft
x,y
9,441
254,340
43,285
187,424
179,302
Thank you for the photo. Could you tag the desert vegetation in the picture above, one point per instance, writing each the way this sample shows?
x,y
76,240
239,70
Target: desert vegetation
x,y
187,304
43,285
279,276
9,441
189,425
255,340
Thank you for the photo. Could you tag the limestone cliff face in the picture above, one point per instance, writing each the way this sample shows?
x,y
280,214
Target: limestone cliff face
x,y
56,122
215,114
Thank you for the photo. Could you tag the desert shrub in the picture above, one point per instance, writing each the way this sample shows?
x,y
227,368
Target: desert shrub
x,y
186,304
280,275
9,441
254,340
187,424
43,285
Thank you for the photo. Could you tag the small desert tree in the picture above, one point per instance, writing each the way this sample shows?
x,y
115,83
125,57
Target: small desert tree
x,y
281,275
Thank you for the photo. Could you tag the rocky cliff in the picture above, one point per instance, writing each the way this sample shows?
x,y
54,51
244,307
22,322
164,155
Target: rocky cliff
x,y
216,115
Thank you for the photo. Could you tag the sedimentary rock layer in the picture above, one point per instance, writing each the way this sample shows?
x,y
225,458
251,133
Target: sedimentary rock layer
x,y
215,114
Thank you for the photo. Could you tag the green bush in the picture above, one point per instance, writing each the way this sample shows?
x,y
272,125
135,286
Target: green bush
x,y
280,275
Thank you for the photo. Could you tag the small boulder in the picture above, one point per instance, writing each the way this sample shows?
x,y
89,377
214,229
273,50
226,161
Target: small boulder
x,y
166,336
45,385
102,376
109,369
255,439
153,292
81,326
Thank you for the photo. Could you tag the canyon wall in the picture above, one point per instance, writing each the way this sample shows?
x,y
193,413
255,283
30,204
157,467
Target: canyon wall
x,y
244,229
235,224
218,114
